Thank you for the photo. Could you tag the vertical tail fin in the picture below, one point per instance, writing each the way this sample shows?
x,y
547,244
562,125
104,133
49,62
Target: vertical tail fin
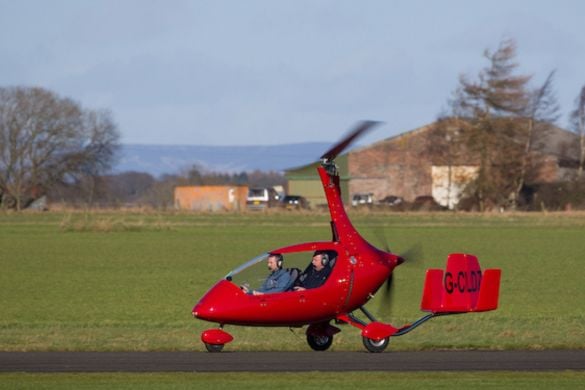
x,y
462,287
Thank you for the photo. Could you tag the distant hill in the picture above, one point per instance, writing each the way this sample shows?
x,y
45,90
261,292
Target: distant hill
x,y
169,159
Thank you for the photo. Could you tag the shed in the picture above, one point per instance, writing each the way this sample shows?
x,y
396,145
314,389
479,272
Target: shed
x,y
211,198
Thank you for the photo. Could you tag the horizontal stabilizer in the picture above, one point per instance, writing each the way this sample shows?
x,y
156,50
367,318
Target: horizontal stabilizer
x,y
462,287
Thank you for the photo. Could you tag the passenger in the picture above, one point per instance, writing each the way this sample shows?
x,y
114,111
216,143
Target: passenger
x,y
278,280
317,274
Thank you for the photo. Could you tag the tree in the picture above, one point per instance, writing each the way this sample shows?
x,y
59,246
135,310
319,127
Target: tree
x,y
502,125
578,125
490,107
45,139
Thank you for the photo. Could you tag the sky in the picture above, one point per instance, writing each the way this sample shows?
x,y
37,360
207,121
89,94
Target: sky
x,y
276,71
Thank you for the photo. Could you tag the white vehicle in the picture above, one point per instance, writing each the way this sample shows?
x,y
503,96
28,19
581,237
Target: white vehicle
x,y
362,199
261,198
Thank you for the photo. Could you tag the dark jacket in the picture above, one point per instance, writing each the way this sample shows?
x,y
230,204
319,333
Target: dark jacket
x,y
313,278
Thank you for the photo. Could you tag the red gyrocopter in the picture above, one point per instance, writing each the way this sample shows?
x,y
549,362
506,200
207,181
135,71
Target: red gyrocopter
x,y
358,270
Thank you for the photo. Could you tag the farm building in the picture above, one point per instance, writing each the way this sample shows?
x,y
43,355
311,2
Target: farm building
x,y
211,198
404,166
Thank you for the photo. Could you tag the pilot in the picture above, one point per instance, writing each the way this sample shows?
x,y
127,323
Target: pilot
x,y
316,275
279,279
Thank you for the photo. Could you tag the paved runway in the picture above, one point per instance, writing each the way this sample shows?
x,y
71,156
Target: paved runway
x,y
291,361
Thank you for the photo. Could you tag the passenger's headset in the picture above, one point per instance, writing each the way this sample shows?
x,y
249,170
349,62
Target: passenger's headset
x,y
324,258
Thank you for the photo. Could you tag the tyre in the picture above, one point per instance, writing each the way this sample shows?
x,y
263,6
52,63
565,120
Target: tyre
x,y
376,346
214,347
319,343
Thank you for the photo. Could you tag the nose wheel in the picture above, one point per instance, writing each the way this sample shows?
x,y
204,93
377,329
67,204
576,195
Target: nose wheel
x,y
214,347
215,339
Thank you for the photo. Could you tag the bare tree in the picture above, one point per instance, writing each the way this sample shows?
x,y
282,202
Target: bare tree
x,y
542,112
578,125
45,139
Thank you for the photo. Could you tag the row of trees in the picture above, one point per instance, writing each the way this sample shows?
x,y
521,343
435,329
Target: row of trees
x,y
46,140
499,122
142,189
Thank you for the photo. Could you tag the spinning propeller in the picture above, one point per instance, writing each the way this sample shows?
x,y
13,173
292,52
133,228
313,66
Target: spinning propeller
x,y
412,255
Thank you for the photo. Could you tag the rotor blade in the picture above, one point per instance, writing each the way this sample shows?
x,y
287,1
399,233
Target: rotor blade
x,y
339,147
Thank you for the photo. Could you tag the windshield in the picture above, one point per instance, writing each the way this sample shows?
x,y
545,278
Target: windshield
x,y
246,265
256,193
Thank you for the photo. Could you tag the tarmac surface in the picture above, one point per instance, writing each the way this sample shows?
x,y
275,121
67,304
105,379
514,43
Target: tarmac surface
x,y
291,361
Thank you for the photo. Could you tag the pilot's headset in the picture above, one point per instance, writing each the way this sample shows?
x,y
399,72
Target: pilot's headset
x,y
279,259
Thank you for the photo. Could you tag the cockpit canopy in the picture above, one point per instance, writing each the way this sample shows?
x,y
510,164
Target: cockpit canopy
x,y
253,272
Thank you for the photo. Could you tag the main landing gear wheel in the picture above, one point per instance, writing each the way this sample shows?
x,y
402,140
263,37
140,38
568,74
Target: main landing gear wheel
x,y
375,346
319,343
214,347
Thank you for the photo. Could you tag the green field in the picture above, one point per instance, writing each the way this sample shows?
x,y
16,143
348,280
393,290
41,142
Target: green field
x,y
128,281
311,380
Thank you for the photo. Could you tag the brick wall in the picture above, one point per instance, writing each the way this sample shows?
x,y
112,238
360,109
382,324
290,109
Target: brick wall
x,y
398,166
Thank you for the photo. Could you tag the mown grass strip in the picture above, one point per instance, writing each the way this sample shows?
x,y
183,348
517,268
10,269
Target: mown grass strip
x,y
310,380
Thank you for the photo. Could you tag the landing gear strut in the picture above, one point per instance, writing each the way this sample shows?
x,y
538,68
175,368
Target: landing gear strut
x,y
376,335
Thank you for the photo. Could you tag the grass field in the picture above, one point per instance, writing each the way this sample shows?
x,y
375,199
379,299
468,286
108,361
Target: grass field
x,y
127,281
312,380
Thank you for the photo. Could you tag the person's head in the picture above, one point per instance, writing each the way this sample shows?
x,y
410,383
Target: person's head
x,y
274,262
319,260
